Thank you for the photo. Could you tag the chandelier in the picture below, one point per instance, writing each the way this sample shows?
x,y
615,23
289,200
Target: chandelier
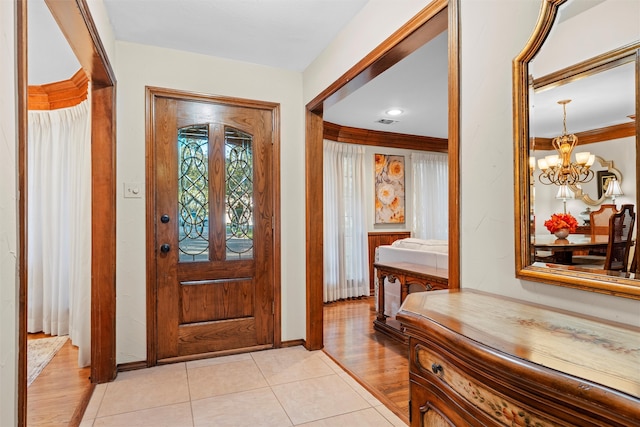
x,y
558,168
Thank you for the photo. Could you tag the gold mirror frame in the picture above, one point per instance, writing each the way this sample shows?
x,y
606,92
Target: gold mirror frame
x,y
586,198
613,285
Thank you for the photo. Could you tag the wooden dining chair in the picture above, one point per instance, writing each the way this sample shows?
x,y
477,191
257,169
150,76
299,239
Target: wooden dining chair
x,y
599,223
599,220
620,234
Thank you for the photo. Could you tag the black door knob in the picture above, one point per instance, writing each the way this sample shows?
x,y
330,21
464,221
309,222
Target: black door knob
x,y
164,218
165,247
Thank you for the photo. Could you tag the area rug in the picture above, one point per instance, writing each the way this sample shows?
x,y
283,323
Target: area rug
x,y
40,352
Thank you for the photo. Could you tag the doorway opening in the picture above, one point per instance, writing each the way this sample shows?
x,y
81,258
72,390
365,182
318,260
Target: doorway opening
x,y
423,27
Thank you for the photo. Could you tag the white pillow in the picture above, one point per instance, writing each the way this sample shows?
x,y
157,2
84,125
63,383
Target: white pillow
x,y
431,245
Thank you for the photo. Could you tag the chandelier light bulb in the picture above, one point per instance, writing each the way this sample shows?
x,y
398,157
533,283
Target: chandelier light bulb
x,y
583,157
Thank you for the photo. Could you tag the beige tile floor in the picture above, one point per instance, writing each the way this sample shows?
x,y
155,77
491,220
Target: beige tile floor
x,y
281,387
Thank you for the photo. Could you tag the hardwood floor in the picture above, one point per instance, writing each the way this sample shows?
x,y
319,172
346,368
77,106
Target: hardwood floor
x,y
375,360
56,397
60,393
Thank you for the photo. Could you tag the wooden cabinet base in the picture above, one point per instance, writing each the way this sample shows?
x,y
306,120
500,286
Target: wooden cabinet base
x,y
482,360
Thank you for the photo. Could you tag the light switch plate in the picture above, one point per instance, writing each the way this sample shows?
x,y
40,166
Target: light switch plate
x,y
132,190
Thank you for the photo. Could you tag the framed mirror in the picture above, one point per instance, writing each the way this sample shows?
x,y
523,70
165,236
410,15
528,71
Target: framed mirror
x,y
575,130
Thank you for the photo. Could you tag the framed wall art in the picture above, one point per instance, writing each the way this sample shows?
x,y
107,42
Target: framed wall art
x,y
389,189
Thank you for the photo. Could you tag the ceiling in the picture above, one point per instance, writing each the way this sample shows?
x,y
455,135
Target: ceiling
x,y
290,34
286,34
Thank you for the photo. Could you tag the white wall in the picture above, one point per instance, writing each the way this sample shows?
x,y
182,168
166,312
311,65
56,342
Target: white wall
x,y
8,222
139,65
493,33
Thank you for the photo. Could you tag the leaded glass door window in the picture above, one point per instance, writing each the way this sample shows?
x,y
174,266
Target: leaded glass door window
x,y
193,194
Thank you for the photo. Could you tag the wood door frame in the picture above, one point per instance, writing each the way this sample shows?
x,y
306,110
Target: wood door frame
x,y
151,244
400,44
78,27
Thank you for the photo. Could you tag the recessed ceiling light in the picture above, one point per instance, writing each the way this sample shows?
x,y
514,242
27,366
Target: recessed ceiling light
x,y
394,112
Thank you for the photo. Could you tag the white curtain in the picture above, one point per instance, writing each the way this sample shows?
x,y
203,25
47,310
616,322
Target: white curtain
x,y
346,263
59,225
430,195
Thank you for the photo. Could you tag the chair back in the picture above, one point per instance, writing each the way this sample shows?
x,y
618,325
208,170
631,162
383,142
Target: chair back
x,y
620,232
599,220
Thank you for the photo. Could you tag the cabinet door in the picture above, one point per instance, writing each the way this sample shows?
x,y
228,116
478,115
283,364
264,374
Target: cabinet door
x,y
429,408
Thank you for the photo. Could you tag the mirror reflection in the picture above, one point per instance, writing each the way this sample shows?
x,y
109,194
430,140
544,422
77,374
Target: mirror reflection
x,y
581,148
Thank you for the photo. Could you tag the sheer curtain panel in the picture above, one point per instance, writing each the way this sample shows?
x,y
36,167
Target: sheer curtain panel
x,y
430,195
346,269
59,225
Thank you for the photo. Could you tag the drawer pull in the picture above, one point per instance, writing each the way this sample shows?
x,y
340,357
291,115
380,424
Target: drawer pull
x,y
437,368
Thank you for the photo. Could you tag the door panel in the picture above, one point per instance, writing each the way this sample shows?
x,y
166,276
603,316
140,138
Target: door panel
x,y
214,237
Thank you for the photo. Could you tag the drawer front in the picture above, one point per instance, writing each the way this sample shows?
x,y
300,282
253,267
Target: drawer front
x,y
503,410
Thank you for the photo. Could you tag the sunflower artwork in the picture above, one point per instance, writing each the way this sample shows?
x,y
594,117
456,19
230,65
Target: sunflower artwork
x,y
389,189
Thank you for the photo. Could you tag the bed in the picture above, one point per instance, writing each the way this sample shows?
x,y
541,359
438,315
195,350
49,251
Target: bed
x,y
432,253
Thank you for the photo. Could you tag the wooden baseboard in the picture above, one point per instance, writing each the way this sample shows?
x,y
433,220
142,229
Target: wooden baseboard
x,y
293,343
132,366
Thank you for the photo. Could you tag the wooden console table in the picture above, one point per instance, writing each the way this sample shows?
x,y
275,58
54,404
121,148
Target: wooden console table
x,y
412,277
477,359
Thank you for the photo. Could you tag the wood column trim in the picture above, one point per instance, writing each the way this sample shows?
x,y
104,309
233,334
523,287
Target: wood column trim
x,y
454,143
21,131
314,217
103,235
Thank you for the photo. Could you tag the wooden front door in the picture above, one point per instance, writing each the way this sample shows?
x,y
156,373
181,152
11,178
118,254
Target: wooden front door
x,y
213,218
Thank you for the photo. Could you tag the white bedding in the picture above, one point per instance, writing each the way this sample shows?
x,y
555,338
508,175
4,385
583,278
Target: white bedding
x,y
434,253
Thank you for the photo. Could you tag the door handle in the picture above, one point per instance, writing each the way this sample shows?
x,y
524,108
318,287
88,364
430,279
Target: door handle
x,y
164,218
165,247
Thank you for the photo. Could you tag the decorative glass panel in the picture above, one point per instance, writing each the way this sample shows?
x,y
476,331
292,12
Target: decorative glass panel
x,y
239,194
193,193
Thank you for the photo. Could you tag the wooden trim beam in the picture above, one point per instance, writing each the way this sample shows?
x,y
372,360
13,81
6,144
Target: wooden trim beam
x,y
608,133
376,138
75,22
398,46
62,94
